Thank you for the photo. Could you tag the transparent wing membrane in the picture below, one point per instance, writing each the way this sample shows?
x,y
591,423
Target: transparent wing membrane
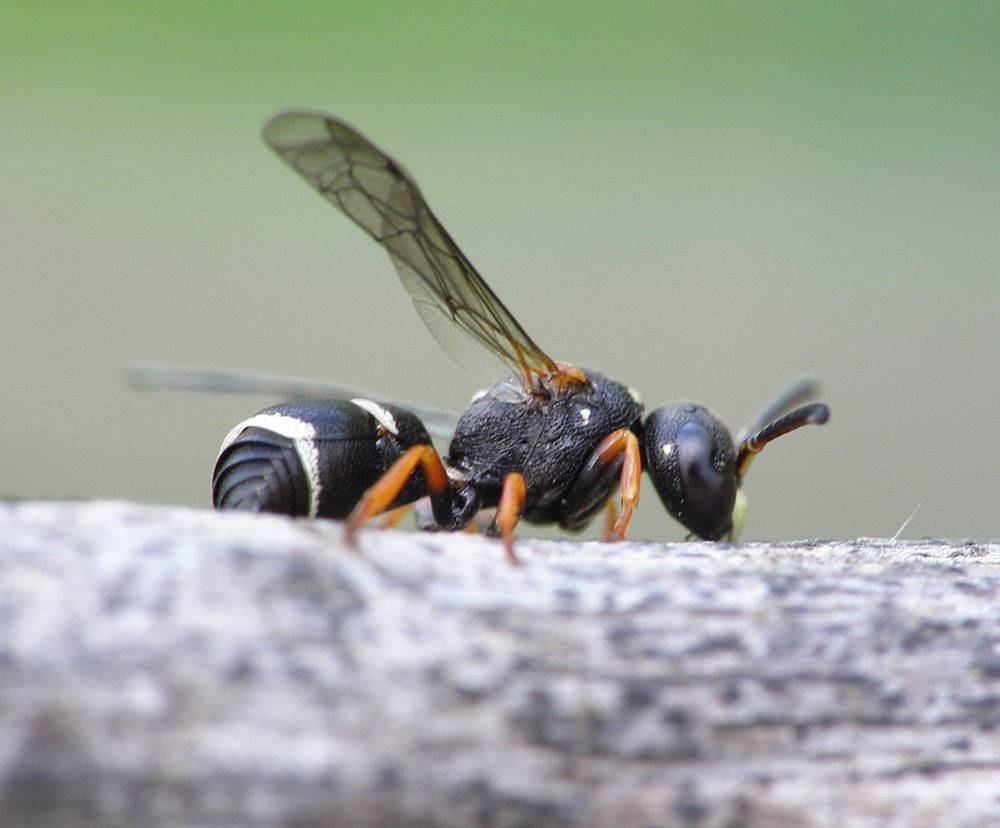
x,y
161,376
466,318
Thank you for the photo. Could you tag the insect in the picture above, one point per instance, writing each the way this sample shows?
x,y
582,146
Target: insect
x,y
550,443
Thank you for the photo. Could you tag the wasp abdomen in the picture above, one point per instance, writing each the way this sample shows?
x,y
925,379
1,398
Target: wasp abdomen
x,y
261,472
270,463
313,458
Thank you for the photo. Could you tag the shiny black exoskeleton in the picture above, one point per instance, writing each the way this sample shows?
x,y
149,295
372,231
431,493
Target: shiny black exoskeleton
x,y
691,460
550,444
314,458
696,467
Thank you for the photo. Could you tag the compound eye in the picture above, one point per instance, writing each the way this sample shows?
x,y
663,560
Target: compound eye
x,y
708,492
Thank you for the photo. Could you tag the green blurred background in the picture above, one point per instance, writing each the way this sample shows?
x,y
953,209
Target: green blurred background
x,y
702,200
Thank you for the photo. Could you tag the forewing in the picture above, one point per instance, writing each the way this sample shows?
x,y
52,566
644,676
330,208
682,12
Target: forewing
x,y
466,318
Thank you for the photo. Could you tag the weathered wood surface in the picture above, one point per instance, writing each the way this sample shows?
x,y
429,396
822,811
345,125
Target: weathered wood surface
x,y
177,667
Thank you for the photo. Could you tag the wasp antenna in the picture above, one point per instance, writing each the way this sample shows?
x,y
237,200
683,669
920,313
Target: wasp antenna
x,y
797,393
749,447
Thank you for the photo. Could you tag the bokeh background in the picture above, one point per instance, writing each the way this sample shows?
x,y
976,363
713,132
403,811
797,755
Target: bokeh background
x,y
703,200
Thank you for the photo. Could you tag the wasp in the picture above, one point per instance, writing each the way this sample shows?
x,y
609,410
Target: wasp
x,y
549,442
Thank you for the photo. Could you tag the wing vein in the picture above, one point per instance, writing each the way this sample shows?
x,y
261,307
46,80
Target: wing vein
x,y
456,304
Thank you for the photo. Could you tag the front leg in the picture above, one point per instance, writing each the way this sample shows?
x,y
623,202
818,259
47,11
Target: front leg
x,y
616,459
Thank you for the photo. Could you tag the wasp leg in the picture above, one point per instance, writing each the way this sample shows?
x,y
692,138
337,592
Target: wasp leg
x,y
617,459
610,448
509,509
386,489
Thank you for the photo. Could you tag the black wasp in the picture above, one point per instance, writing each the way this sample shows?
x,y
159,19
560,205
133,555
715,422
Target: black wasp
x,y
549,444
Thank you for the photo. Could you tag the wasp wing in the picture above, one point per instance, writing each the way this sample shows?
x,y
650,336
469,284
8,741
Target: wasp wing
x,y
161,376
455,303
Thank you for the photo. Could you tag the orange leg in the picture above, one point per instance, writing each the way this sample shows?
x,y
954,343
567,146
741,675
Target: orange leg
x,y
509,509
624,442
386,489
